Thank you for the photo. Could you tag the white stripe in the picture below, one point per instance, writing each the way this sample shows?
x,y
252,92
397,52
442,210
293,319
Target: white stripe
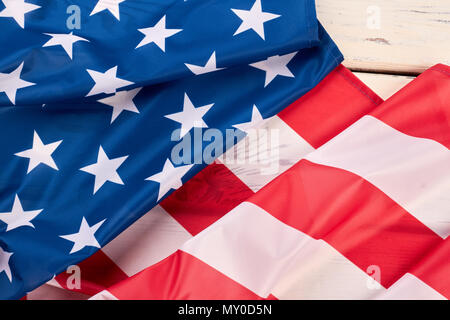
x,y
323,273
261,161
152,238
414,172
320,272
410,288
267,256
248,245
103,295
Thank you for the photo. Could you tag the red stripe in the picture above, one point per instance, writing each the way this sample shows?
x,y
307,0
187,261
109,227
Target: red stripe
x,y
206,198
98,272
352,215
429,97
435,268
333,105
181,277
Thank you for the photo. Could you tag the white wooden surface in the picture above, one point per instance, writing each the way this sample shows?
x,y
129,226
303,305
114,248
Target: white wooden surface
x,y
391,36
384,85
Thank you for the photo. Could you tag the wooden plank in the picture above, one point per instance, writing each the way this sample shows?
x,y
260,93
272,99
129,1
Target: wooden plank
x,y
384,85
401,36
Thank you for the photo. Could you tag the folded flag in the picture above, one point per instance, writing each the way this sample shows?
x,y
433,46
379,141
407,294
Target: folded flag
x,y
363,216
119,95
304,126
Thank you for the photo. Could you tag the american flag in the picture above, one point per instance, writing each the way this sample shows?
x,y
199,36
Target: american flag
x,y
318,229
93,93
357,208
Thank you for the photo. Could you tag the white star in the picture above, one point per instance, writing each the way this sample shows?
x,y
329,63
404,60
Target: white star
x,y
64,40
106,82
11,82
121,101
254,19
85,237
105,169
169,178
257,121
157,34
190,117
210,66
4,263
110,5
275,66
40,153
17,9
17,217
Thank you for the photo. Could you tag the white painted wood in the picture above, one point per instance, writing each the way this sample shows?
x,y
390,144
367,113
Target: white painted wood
x,y
384,85
409,36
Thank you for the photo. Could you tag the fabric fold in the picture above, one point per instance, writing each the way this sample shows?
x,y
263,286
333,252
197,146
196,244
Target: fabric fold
x,y
93,166
147,42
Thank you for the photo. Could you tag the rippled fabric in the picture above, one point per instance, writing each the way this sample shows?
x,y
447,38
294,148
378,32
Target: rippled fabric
x,y
363,215
77,131
207,27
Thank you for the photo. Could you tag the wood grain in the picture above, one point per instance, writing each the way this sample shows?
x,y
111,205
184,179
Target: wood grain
x,y
412,35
